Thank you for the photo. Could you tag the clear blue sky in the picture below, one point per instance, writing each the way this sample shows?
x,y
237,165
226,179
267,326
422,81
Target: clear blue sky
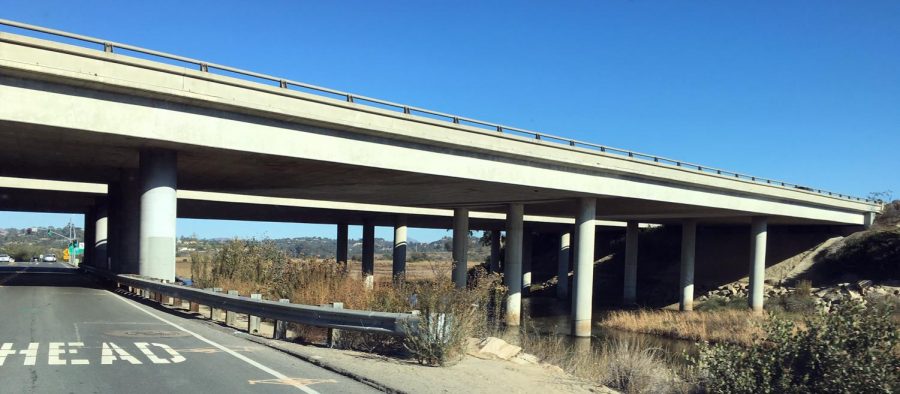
x,y
804,91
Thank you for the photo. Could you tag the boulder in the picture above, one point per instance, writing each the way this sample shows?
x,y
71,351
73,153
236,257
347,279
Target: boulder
x,y
832,296
498,348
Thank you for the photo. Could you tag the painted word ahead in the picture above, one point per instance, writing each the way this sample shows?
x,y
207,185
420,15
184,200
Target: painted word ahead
x,y
75,353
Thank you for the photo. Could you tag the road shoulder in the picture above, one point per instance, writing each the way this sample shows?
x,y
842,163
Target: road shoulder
x,y
470,375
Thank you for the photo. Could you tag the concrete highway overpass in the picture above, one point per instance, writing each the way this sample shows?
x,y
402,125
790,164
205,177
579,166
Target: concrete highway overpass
x,y
149,128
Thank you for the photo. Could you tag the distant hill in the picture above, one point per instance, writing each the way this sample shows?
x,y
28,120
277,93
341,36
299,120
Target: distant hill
x,y
325,247
23,243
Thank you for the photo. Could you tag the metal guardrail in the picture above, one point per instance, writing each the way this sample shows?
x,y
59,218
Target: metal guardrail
x,y
318,316
110,47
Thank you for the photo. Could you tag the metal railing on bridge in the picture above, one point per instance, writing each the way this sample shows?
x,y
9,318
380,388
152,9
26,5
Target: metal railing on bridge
x,y
111,47
397,324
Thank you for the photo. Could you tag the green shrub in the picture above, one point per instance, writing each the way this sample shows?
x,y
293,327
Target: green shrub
x,y
448,317
627,364
852,349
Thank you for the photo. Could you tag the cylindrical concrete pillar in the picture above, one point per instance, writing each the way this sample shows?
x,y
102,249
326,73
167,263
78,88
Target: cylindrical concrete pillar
x,y
87,257
629,296
562,261
340,254
495,251
101,232
159,175
460,246
128,229
573,258
399,255
688,246
584,259
758,235
527,254
512,263
368,255
113,226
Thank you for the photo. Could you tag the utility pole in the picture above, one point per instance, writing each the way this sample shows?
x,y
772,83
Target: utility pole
x,y
70,238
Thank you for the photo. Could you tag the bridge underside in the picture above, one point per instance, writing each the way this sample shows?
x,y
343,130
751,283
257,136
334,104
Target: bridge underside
x,y
39,152
56,201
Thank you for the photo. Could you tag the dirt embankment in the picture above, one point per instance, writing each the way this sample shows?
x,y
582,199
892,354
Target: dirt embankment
x,y
890,217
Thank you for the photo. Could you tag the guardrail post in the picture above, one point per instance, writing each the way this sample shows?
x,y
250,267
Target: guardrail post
x,y
194,307
281,326
253,321
162,298
176,302
229,315
212,311
334,335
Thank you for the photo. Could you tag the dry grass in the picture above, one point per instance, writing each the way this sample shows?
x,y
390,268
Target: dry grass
x,y
183,267
719,326
259,267
631,366
415,271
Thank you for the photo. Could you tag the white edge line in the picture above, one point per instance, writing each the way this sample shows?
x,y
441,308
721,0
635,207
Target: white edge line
x,y
239,356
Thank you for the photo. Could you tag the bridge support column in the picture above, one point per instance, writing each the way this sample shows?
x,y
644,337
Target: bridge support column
x,y
527,254
688,247
87,258
868,219
495,251
368,255
586,223
101,243
562,261
123,224
159,175
340,254
460,246
629,295
512,263
399,255
758,235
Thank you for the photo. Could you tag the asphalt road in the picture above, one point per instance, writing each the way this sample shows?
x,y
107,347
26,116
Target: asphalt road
x,y
60,332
